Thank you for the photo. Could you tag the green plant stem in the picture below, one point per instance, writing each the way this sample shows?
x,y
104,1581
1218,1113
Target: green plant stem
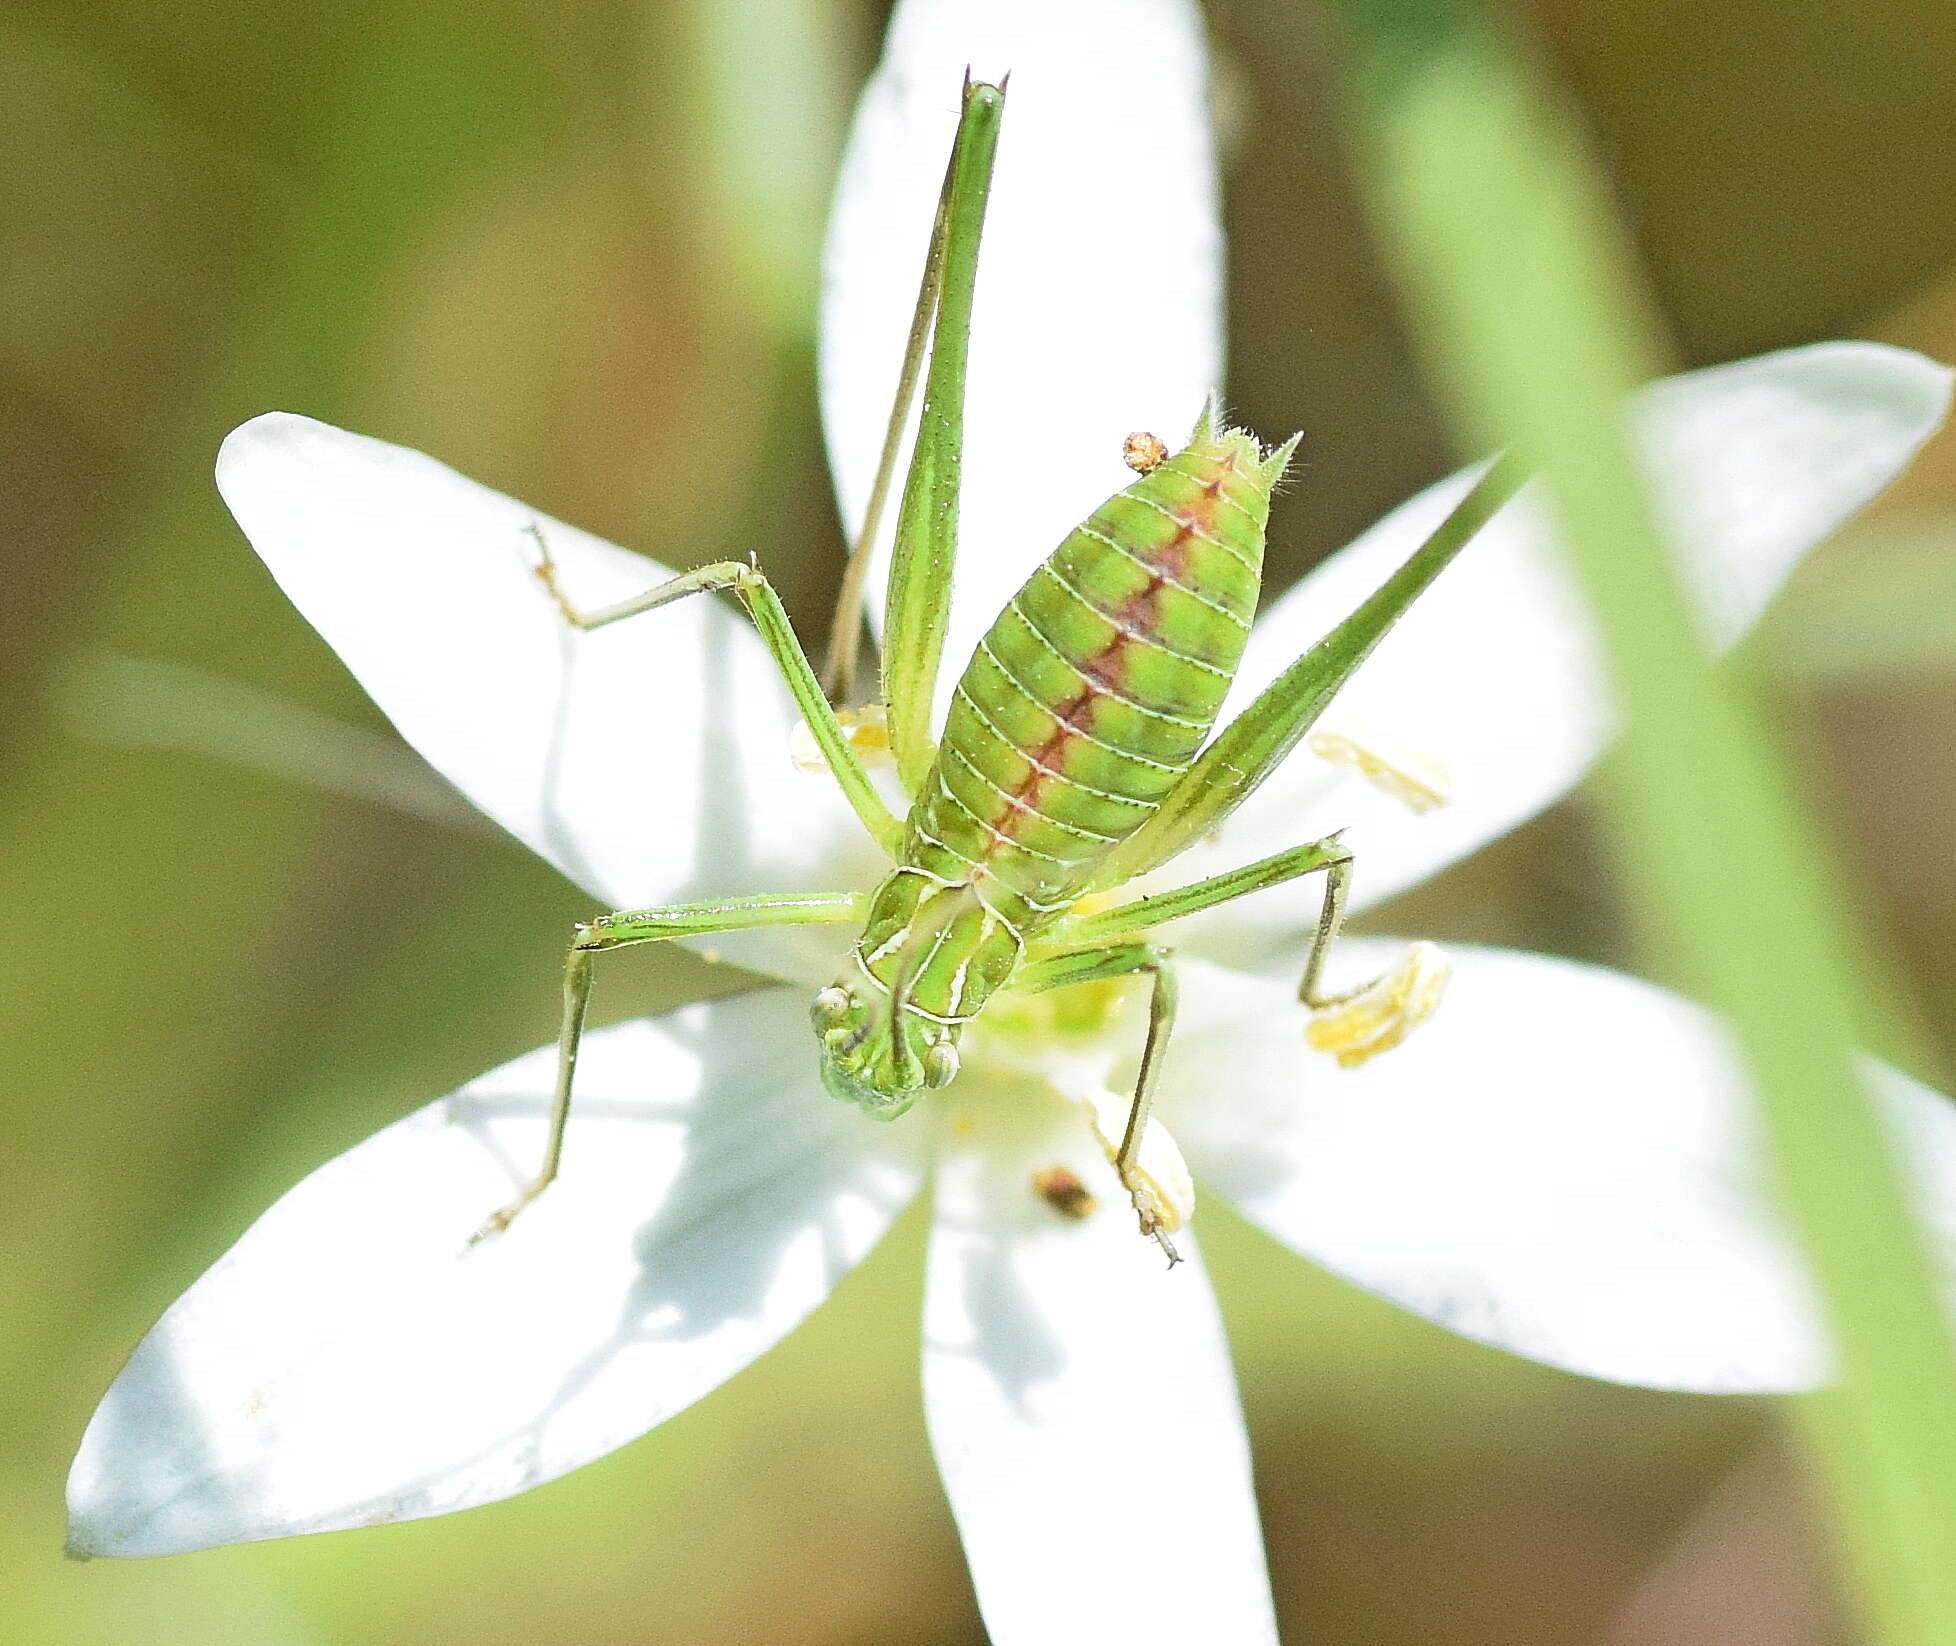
x,y
1536,331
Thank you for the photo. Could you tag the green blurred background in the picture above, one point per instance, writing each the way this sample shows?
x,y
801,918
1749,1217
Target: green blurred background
x,y
550,242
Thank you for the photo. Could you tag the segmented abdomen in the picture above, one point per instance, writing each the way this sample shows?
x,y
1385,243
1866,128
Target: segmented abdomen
x,y
1091,694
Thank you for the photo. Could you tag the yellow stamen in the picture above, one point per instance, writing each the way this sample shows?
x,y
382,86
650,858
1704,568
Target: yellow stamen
x,y
865,730
1416,780
1159,1181
1093,903
1377,1017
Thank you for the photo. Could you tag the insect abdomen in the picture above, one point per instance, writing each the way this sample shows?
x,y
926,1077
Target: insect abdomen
x,y
1092,692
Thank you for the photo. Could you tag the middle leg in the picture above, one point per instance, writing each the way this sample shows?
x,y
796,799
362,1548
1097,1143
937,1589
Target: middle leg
x,y
1353,1025
1329,854
1092,965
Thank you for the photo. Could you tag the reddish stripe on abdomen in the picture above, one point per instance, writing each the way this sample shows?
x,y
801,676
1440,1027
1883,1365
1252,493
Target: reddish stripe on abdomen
x,y
1105,672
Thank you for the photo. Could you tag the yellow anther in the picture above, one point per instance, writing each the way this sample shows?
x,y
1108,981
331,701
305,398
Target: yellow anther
x,y
1377,1017
1159,1181
1027,1019
865,730
1416,780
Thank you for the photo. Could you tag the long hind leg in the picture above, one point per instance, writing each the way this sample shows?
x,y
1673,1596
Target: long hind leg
x,y
1247,750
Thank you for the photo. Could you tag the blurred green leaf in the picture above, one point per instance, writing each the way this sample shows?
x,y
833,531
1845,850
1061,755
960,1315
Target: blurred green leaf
x,y
135,702
1535,325
1880,603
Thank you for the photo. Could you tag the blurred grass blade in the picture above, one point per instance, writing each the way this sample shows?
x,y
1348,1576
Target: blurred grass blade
x,y
1883,606
146,703
767,107
402,133
1535,329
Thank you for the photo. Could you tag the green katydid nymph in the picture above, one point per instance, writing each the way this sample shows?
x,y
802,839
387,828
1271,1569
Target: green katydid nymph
x,y
1077,752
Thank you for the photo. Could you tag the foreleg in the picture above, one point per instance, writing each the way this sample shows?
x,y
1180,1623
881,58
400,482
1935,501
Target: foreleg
x,y
618,931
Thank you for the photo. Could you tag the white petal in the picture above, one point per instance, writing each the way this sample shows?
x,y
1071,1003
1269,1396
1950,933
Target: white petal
x,y
647,760
1099,283
349,1362
1495,672
1083,1409
1561,1163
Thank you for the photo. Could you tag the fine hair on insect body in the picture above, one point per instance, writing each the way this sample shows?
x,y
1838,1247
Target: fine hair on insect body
x,y
1079,752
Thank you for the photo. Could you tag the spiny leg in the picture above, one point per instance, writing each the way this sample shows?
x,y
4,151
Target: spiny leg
x,y
1258,740
621,930
955,219
777,634
1328,854
924,551
1353,1024
1093,965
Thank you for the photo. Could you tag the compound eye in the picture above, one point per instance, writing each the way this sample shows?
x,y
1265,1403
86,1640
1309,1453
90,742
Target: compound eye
x,y
830,1006
940,1065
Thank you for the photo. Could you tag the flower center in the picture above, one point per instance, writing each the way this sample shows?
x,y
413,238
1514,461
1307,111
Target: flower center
x,y
866,730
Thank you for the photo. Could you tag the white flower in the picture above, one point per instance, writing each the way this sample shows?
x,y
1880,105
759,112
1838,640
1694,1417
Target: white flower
x,y
1558,1164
